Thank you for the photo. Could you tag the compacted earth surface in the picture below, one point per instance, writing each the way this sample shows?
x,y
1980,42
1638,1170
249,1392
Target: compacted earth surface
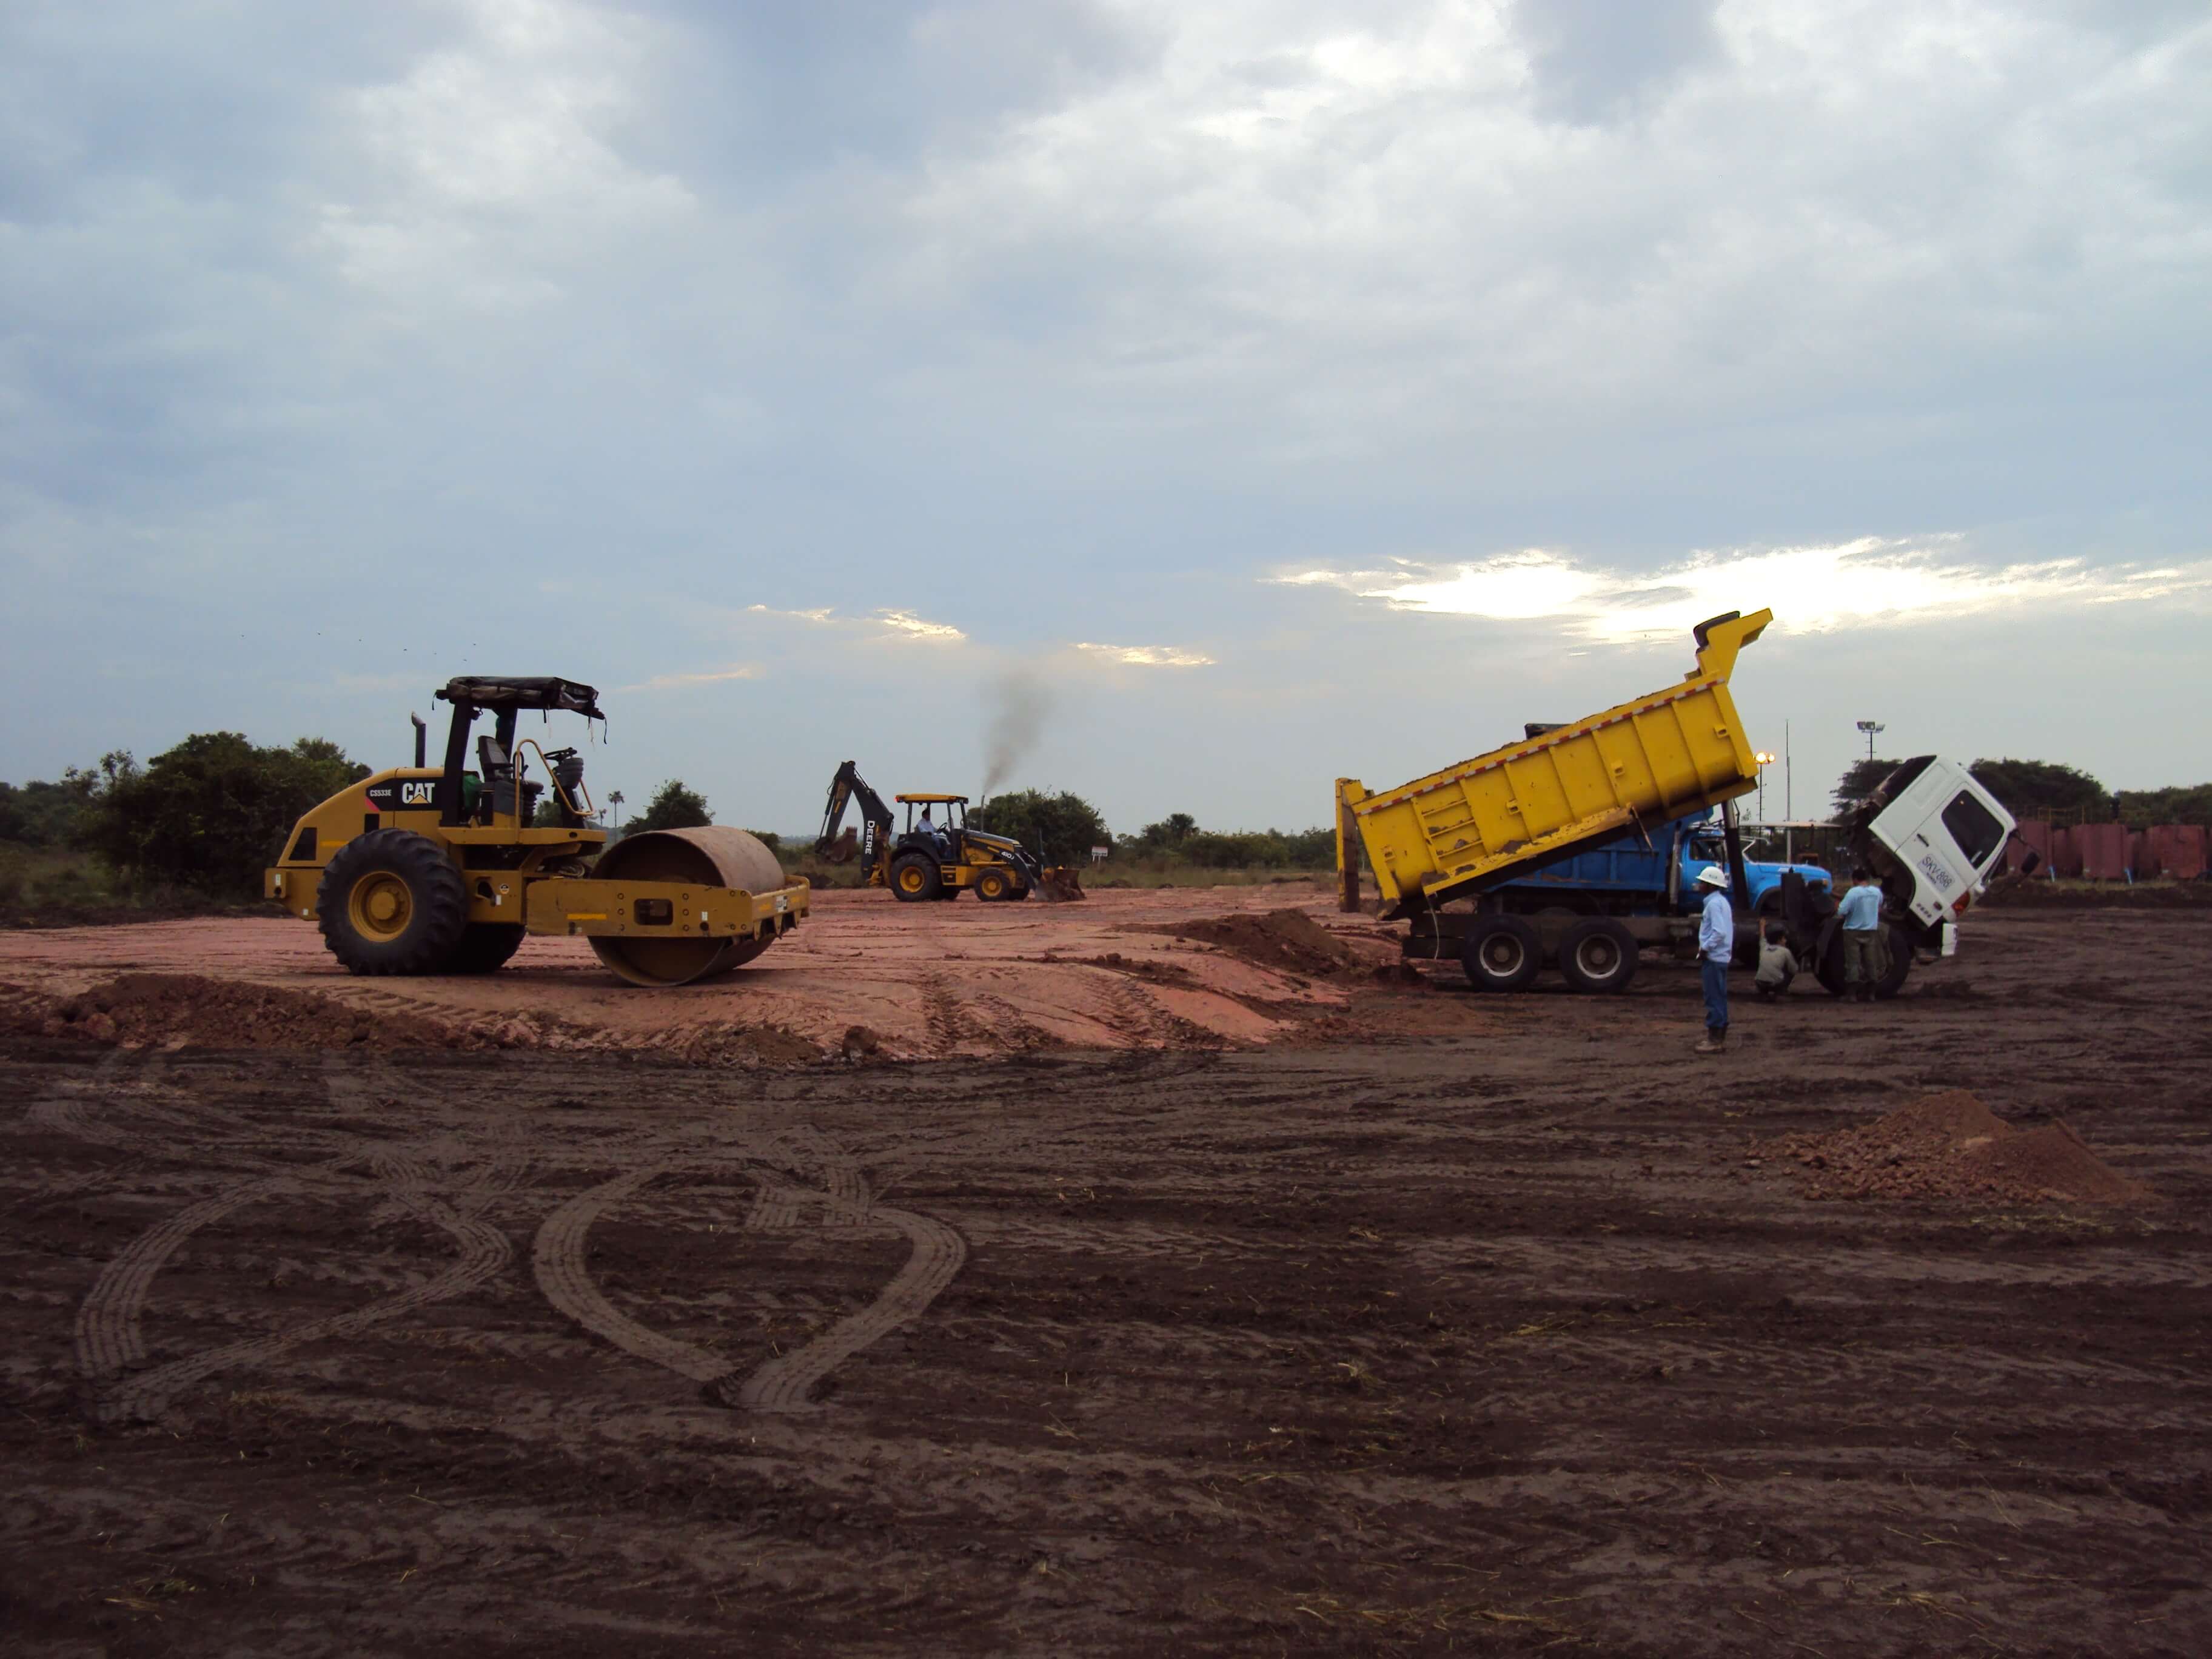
x,y
1411,1320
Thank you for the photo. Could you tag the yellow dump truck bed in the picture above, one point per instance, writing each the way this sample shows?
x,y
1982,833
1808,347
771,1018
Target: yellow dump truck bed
x,y
1485,820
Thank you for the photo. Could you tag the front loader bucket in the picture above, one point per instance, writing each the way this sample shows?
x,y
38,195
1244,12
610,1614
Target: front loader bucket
x,y
1058,884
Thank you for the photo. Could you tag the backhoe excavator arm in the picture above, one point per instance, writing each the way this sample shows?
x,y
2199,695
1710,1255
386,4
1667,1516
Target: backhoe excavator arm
x,y
875,817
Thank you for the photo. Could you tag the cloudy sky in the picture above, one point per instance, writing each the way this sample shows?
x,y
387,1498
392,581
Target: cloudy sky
x,y
1275,389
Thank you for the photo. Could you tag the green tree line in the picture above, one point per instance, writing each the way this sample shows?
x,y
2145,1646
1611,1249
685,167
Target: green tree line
x,y
205,816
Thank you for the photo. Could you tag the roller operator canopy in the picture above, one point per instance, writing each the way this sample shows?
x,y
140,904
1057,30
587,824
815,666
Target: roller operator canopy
x,y
499,691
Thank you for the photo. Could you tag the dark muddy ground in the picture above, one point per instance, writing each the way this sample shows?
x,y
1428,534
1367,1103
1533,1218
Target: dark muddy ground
x,y
1478,1344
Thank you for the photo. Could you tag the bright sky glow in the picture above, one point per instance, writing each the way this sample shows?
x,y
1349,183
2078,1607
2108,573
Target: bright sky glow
x,y
1811,590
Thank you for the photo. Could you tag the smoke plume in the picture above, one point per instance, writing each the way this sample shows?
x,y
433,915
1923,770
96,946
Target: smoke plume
x,y
1021,703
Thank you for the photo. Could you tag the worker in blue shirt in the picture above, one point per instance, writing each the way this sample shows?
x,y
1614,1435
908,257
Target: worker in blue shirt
x,y
1860,915
1715,946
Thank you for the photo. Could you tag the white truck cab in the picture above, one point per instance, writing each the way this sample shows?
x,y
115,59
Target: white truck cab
x,y
1936,837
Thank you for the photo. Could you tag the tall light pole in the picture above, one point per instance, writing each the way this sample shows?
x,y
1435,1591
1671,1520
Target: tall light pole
x,y
1870,727
1764,761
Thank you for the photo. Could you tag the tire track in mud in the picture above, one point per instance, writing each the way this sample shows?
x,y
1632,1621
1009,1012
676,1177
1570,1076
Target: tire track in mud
x,y
557,1259
107,1335
941,1015
563,1274
109,1332
484,1252
66,1107
938,1253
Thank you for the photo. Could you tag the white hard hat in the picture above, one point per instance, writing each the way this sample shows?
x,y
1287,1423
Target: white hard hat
x,y
1712,876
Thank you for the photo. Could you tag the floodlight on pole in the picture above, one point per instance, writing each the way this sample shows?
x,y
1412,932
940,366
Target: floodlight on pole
x,y
1870,727
1764,761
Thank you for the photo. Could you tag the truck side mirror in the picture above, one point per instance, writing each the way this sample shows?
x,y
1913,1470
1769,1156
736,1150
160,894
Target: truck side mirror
x,y
2033,862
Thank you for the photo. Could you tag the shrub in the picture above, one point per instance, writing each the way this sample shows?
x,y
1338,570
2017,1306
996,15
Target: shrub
x,y
674,805
208,814
1065,825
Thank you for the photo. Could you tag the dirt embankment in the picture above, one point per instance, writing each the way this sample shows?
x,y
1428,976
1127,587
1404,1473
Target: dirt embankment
x,y
1187,968
1951,1146
181,1011
1289,941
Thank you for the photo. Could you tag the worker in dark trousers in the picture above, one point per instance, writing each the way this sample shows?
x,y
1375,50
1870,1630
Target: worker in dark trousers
x,y
1715,946
1860,916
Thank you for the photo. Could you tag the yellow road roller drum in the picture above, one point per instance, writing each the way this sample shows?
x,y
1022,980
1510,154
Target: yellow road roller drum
x,y
446,869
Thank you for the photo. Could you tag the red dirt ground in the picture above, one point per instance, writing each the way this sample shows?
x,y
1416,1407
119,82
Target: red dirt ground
x,y
931,980
1470,1329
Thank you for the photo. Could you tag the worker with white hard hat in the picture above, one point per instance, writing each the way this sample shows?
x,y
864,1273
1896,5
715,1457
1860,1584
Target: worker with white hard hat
x,y
1715,947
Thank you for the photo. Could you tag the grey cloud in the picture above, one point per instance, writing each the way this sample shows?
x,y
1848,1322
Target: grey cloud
x,y
1595,59
933,310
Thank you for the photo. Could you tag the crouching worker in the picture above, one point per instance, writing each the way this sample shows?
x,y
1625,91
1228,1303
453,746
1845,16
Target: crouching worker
x,y
1715,946
1777,966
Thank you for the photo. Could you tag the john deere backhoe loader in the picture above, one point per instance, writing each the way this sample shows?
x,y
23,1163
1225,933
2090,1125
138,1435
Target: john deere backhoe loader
x,y
443,870
937,854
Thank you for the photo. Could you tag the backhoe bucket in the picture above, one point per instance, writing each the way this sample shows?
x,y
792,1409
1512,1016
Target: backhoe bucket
x,y
1058,884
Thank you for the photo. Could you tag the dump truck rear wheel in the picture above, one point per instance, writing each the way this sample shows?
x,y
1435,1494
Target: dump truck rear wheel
x,y
485,947
1599,956
1500,953
390,902
993,887
915,877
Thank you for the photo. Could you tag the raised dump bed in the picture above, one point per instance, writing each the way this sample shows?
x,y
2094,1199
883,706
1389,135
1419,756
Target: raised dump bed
x,y
1476,825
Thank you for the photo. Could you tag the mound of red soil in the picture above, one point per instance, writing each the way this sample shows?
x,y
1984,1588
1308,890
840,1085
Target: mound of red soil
x,y
1951,1146
1288,939
187,1009
162,1009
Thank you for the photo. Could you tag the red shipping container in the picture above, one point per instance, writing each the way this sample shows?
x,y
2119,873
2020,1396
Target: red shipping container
x,y
2034,837
2102,850
2175,850
2066,851
2136,850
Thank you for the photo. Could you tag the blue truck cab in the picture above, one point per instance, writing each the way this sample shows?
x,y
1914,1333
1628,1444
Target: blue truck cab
x,y
1629,877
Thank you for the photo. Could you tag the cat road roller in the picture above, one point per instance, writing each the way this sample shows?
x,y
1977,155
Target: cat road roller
x,y
443,869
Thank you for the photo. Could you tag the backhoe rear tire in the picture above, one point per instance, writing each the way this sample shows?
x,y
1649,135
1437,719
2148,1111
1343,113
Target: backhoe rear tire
x,y
1599,955
485,947
390,902
915,879
1501,953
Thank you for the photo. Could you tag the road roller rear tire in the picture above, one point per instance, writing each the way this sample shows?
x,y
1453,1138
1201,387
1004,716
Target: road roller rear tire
x,y
916,879
391,901
485,947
